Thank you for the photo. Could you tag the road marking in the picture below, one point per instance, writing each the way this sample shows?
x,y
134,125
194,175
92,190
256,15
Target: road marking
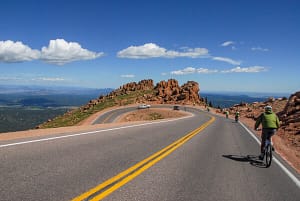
x,y
90,132
109,116
109,186
291,175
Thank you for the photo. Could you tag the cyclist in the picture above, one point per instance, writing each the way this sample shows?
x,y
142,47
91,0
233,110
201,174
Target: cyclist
x,y
237,114
226,113
208,109
270,123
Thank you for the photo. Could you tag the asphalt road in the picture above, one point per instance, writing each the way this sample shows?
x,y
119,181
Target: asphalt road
x,y
214,163
112,115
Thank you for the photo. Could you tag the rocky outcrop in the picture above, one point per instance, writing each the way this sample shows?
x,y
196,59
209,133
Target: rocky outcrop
x,y
290,116
190,92
133,86
170,92
165,92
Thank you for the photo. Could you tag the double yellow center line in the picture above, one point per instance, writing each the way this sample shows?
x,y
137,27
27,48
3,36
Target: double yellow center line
x,y
103,190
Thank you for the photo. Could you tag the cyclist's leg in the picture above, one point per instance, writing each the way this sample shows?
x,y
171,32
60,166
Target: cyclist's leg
x,y
262,145
271,132
264,135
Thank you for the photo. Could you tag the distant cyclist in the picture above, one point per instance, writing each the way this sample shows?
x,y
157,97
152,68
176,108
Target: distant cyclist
x,y
226,113
270,123
237,115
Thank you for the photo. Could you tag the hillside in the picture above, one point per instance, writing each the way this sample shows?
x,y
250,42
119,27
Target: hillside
x,y
164,92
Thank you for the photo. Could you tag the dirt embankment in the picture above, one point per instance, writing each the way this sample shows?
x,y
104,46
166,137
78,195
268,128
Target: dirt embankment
x,y
150,114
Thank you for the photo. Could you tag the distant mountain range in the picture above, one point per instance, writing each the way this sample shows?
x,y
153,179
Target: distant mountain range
x,y
228,99
24,107
51,90
41,96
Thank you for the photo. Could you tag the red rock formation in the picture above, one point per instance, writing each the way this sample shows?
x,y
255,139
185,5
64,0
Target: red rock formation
x,y
171,92
290,116
164,92
133,86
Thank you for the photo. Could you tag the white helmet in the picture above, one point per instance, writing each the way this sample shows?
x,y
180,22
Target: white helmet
x,y
268,108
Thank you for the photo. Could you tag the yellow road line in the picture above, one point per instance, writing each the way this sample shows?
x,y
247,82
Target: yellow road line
x,y
105,120
124,177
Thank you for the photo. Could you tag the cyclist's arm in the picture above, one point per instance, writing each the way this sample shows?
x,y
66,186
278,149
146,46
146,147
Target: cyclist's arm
x,y
258,122
277,122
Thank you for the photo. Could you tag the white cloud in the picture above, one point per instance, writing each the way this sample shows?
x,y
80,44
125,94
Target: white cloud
x,y
151,50
252,69
31,78
205,70
11,51
128,76
8,78
48,79
259,49
227,60
188,70
58,52
191,70
227,43
61,52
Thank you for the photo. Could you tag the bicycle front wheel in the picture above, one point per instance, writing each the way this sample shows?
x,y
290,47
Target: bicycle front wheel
x,y
268,155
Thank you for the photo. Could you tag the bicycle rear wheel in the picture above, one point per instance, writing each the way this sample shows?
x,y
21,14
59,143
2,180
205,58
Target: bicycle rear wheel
x,y
268,155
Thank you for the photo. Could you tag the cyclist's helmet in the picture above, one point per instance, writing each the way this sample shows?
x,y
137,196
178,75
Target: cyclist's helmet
x,y
268,108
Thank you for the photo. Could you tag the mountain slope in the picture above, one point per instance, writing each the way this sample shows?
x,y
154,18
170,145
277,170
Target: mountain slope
x,y
164,92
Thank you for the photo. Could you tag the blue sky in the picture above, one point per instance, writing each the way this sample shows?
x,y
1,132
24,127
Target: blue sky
x,y
223,45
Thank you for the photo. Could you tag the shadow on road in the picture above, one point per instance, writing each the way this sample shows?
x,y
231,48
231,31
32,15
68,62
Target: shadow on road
x,y
253,160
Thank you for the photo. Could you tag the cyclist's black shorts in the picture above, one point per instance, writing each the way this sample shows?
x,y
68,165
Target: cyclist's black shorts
x,y
267,133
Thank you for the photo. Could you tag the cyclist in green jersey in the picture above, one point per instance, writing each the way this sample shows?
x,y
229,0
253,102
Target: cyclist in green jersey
x,y
270,123
237,115
226,113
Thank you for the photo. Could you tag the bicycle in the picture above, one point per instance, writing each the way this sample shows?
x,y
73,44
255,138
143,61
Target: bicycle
x,y
268,153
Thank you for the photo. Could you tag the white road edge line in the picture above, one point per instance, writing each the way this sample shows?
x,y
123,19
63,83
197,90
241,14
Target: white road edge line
x,y
293,177
90,132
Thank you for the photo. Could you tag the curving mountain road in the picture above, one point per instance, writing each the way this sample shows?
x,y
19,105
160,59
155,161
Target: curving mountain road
x,y
214,162
112,115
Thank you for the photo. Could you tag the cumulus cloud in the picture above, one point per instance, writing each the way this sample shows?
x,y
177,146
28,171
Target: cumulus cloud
x,y
191,70
11,51
151,50
128,76
259,49
252,69
58,52
227,43
61,52
227,60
